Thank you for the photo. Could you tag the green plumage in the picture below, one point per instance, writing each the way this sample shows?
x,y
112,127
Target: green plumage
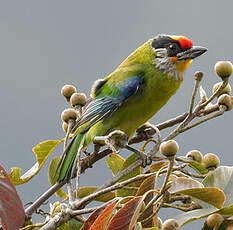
x,y
136,101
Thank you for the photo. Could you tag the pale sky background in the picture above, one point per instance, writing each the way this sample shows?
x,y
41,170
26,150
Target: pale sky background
x,y
46,44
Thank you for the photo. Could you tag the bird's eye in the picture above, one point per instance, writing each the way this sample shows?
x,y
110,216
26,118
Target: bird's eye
x,y
172,47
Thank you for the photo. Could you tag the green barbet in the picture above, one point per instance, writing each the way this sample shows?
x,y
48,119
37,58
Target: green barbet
x,y
128,97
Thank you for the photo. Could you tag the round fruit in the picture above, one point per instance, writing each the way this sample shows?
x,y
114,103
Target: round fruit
x,y
78,99
226,100
68,90
210,161
170,224
169,148
69,114
195,155
224,69
214,219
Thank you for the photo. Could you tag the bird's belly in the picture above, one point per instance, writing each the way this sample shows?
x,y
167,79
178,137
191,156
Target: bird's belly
x,y
139,109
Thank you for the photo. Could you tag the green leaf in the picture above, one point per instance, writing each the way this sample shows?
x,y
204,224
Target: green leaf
x,y
85,191
42,152
53,179
198,167
213,196
129,192
74,224
115,162
222,178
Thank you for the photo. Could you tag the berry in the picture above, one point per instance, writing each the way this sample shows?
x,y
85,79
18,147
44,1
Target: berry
x,y
170,224
226,100
69,114
214,220
210,161
169,148
195,155
78,99
224,69
67,91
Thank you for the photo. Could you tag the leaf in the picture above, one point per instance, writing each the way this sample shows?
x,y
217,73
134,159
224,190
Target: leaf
x,y
129,192
102,220
198,167
74,224
126,217
85,191
157,166
183,183
195,215
222,178
211,195
53,179
147,185
42,152
11,208
115,162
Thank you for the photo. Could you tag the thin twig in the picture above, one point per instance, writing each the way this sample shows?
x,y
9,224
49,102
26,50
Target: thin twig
x,y
221,111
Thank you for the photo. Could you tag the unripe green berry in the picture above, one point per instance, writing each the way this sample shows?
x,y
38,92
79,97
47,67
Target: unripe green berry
x,y
65,126
214,220
226,90
170,224
67,91
78,99
210,161
223,69
169,148
226,100
195,155
69,114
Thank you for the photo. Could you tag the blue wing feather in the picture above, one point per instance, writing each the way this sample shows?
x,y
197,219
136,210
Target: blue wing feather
x,y
104,106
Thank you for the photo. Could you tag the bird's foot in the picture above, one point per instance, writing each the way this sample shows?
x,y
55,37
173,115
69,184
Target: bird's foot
x,y
145,159
116,140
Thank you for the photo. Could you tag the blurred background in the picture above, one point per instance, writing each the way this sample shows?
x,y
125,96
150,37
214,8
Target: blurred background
x,y
46,44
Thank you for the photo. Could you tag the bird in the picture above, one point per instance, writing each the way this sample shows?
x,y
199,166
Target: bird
x,y
128,97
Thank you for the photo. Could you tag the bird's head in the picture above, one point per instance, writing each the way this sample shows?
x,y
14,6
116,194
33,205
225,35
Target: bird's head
x,y
173,54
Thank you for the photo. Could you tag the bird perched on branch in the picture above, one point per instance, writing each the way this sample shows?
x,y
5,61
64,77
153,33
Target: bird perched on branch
x,y
132,94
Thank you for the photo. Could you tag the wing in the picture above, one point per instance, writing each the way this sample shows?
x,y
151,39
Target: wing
x,y
109,99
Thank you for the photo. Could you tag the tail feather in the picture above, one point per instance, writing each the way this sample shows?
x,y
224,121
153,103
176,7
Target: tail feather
x,y
67,164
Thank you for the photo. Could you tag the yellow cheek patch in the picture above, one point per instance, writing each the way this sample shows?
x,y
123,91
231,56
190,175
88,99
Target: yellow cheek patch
x,y
173,59
183,65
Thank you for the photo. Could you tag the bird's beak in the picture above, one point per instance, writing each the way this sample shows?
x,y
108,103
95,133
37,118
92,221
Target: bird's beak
x,y
191,53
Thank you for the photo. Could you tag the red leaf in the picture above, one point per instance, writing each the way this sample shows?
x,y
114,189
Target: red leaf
x,y
91,219
126,217
103,219
11,208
